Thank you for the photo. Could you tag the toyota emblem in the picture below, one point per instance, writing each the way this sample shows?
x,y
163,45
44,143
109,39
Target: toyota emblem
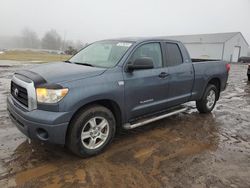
x,y
16,92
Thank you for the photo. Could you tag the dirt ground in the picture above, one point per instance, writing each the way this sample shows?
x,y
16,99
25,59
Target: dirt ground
x,y
186,150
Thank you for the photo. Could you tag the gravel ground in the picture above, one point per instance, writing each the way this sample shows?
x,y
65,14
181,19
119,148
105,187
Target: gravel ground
x,y
186,150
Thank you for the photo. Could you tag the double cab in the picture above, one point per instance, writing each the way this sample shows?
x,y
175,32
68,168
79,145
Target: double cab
x,y
108,85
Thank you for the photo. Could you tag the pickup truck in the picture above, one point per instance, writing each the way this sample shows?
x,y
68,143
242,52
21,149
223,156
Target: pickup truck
x,y
110,85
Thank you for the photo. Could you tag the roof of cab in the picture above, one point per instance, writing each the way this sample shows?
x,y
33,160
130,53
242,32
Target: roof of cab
x,y
142,39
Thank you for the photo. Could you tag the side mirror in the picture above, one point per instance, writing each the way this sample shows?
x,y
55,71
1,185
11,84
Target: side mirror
x,y
141,63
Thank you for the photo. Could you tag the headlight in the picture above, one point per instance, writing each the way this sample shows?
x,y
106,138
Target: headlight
x,y
44,95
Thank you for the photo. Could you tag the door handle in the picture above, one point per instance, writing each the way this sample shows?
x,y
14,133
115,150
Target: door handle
x,y
163,75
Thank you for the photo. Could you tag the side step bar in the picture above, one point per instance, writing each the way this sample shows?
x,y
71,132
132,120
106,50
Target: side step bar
x,y
155,118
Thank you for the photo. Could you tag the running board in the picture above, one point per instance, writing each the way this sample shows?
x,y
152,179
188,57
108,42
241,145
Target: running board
x,y
155,118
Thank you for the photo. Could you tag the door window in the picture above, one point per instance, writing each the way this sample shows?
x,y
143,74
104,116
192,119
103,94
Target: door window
x,y
174,56
150,50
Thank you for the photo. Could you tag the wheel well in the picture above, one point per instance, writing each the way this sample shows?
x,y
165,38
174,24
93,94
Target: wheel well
x,y
111,105
216,82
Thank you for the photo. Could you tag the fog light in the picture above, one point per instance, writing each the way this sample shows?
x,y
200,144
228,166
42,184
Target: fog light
x,y
42,134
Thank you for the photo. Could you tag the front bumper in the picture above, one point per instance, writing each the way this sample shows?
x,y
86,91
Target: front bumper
x,y
39,124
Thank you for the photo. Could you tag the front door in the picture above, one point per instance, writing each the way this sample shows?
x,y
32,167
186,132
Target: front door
x,y
146,90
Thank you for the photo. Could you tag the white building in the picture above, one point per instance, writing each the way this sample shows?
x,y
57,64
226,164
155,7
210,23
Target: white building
x,y
225,46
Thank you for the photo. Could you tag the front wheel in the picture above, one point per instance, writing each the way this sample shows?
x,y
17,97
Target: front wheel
x,y
91,131
209,99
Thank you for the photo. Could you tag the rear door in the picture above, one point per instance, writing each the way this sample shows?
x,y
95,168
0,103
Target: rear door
x,y
181,74
146,90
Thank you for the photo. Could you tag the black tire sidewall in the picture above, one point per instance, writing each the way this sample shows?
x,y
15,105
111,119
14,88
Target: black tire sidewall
x,y
202,104
75,136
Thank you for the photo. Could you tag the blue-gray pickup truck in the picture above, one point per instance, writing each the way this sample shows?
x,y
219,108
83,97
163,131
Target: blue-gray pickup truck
x,y
108,85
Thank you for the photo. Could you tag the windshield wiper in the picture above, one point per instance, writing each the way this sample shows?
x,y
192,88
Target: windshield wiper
x,y
86,64
67,61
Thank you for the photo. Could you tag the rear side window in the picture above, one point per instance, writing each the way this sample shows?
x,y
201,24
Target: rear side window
x,y
151,50
174,56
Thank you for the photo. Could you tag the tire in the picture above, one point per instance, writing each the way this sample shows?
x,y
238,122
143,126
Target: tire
x,y
83,139
209,99
248,77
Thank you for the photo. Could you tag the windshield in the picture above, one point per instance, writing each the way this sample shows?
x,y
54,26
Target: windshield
x,y
101,54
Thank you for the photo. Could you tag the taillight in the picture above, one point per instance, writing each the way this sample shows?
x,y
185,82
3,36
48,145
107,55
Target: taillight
x,y
228,67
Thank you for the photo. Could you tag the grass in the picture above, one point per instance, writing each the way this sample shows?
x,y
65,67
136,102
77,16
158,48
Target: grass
x,y
32,56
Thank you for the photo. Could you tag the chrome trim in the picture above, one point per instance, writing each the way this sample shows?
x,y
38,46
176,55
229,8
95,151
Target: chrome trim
x,y
129,126
31,91
121,83
19,104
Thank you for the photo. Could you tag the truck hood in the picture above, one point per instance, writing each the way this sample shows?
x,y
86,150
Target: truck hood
x,y
59,72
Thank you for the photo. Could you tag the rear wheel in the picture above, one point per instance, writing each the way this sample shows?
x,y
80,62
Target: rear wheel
x,y
91,131
208,101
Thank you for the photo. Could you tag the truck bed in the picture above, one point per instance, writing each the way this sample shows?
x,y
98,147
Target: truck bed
x,y
204,71
194,60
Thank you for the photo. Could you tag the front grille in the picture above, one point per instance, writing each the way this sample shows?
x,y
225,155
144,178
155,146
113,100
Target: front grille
x,y
19,93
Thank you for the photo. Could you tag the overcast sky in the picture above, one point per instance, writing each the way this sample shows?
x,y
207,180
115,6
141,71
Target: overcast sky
x,y
89,20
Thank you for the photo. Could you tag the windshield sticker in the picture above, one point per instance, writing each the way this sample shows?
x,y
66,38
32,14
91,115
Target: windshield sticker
x,y
124,44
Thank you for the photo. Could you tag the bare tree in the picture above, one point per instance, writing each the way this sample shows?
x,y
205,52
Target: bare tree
x,y
71,50
66,44
30,39
71,47
51,40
